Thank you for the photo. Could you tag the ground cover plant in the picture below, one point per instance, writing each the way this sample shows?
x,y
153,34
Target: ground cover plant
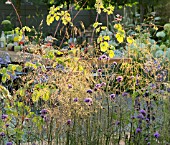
x,y
71,100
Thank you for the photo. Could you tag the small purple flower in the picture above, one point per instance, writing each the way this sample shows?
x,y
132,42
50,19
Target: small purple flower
x,y
4,116
132,117
9,143
112,96
7,125
140,116
138,130
156,135
124,94
147,120
168,90
70,86
148,143
27,119
103,84
98,85
99,70
2,134
68,121
89,91
88,100
143,112
103,57
75,99
117,122
95,88
119,79
114,63
43,111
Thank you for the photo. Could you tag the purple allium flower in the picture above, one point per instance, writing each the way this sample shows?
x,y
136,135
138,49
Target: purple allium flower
x,y
112,96
9,143
89,91
148,143
138,130
103,56
4,116
43,111
95,88
114,63
143,112
124,94
75,99
70,86
108,58
88,100
103,84
147,120
140,116
156,135
117,122
7,125
68,121
119,79
99,70
2,134
27,119
98,85
132,117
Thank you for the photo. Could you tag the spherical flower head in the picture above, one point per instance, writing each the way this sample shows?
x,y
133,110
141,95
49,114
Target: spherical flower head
x,y
2,134
112,96
103,56
27,119
43,111
114,63
143,112
89,91
9,143
140,116
98,85
103,84
70,86
99,70
156,135
147,120
138,130
88,100
7,125
68,121
4,116
117,122
132,117
119,79
124,94
75,99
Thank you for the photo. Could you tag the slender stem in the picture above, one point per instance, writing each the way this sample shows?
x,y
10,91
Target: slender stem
x,y
16,13
94,28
